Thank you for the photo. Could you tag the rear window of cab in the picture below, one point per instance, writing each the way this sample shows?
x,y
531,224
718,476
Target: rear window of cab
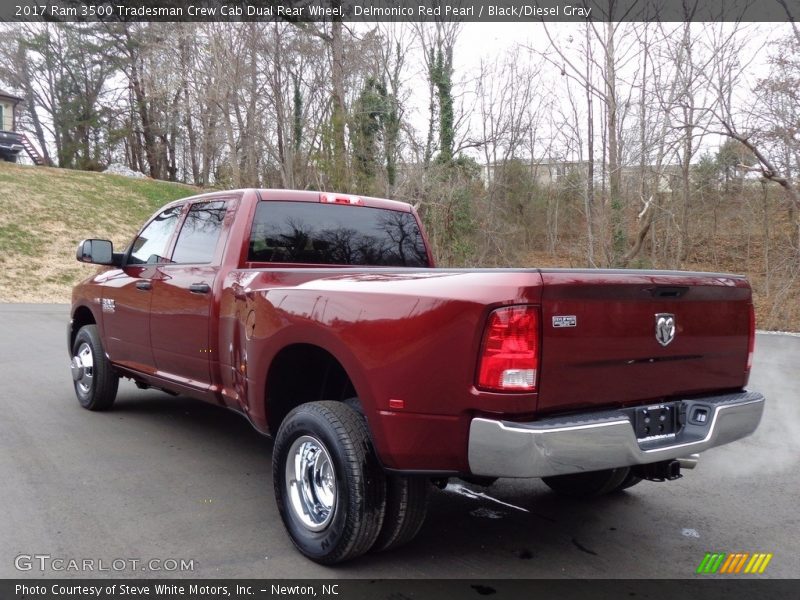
x,y
335,234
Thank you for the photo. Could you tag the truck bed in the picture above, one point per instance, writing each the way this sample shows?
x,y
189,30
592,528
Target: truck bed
x,y
414,335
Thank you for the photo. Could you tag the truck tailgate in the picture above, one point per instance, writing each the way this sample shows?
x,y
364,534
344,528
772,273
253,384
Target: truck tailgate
x,y
600,345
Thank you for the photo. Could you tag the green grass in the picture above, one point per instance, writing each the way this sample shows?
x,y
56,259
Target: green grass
x,y
16,240
156,192
47,211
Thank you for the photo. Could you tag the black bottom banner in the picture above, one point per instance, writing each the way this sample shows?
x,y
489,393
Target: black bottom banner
x,y
395,589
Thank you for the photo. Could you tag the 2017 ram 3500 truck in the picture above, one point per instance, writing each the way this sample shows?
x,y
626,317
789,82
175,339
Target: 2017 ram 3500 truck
x,y
320,318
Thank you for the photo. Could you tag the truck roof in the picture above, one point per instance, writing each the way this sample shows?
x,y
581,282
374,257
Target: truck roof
x,y
315,196
269,194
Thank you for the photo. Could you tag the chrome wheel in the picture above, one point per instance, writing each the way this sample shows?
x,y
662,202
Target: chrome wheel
x,y
82,367
311,483
93,374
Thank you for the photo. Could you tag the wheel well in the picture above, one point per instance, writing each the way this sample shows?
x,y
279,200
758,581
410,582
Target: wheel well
x,y
83,316
303,373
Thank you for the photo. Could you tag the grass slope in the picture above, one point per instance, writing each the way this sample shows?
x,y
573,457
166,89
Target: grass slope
x,y
47,211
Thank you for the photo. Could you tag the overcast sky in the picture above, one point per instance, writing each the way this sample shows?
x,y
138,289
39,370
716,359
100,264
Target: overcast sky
x,y
489,41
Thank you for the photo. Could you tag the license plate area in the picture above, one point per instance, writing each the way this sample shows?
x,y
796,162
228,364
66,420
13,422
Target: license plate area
x,y
656,421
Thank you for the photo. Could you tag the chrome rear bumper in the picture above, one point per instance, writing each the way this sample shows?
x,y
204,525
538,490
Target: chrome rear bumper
x,y
605,439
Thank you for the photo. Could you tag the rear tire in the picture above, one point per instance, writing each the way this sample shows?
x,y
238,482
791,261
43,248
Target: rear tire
x,y
629,481
406,502
406,509
329,487
588,485
92,374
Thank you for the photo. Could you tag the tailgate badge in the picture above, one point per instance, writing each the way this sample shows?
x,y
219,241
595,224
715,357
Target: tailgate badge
x,y
665,328
565,321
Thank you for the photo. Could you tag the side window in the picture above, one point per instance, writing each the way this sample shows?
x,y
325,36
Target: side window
x,y
199,235
151,245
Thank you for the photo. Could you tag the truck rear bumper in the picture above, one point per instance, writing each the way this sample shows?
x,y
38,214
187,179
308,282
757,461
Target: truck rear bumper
x,y
606,439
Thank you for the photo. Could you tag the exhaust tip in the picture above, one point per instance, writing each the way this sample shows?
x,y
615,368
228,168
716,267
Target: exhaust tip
x,y
689,462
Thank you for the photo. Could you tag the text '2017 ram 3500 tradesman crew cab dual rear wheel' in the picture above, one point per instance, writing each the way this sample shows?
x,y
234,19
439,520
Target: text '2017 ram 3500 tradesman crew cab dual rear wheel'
x,y
321,318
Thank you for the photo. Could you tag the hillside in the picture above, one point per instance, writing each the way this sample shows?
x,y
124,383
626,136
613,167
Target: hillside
x,y
47,211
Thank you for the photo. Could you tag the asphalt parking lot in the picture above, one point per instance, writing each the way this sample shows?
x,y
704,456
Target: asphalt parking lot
x,y
170,479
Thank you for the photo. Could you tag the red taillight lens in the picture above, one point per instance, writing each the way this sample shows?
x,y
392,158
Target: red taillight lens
x,y
509,355
751,342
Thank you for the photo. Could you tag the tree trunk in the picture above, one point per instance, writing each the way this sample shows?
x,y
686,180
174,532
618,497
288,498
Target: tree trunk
x,y
236,175
188,122
618,241
339,175
140,97
249,135
589,198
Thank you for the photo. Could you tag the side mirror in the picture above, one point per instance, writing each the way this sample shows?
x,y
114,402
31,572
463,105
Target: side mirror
x,y
98,252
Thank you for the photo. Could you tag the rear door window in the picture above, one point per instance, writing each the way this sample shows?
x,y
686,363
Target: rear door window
x,y
197,241
335,234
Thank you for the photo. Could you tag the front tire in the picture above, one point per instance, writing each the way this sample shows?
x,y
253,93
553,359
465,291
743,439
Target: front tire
x,y
329,487
92,374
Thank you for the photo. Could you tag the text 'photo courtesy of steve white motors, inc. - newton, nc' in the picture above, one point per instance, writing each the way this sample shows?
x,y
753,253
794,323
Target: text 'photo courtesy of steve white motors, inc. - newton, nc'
x,y
166,590
311,11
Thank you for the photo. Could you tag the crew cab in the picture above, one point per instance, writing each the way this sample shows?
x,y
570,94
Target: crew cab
x,y
322,319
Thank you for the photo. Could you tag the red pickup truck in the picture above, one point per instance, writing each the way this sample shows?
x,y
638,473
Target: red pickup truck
x,y
321,318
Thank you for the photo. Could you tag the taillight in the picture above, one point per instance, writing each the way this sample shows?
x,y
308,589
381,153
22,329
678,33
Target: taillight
x,y
751,342
509,355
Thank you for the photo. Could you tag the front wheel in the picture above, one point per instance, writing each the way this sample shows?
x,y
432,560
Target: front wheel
x,y
329,486
94,378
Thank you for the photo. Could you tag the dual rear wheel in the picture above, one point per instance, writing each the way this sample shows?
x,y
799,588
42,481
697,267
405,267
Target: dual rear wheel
x,y
336,501
334,497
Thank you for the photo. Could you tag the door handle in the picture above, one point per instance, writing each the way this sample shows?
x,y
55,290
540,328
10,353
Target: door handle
x,y
199,288
143,285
